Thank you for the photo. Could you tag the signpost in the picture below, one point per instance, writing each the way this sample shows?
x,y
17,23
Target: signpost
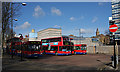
x,y
21,37
113,28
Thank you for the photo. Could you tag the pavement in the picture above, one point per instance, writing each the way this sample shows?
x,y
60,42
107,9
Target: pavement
x,y
51,62
110,67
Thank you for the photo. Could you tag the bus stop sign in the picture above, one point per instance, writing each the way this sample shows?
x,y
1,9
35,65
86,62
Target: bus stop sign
x,y
113,28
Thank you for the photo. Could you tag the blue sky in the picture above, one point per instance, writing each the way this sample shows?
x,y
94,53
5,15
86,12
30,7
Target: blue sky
x,y
70,16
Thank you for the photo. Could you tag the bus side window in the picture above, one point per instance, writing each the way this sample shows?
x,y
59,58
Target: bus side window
x,y
56,48
52,48
60,48
80,47
72,48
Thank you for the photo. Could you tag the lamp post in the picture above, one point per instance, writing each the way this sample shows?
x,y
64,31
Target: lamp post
x,y
21,37
12,43
24,4
79,36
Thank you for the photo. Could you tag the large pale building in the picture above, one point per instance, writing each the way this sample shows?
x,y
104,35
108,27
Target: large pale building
x,y
116,16
49,33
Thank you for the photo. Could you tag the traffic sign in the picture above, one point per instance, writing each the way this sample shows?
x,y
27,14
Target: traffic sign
x,y
113,28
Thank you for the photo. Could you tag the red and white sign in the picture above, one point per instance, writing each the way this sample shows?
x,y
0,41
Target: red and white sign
x,y
113,28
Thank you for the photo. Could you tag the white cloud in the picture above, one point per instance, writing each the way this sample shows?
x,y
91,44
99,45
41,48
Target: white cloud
x,y
23,26
38,11
100,3
82,30
56,11
81,17
86,31
56,26
94,19
72,18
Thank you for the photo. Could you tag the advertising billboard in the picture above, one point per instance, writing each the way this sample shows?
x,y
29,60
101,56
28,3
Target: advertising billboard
x,y
32,35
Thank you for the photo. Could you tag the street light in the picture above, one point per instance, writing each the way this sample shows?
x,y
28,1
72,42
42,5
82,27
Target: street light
x,y
24,4
12,42
16,19
21,37
79,38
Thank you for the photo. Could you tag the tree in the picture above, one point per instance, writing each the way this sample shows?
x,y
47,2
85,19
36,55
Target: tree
x,y
9,12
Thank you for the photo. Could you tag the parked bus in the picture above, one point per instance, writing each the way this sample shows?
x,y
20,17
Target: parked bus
x,y
57,45
10,48
28,49
32,49
80,49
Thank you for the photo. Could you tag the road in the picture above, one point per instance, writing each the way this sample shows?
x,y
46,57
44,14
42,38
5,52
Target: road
x,y
51,62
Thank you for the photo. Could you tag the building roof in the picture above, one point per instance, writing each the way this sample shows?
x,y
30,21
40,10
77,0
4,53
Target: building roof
x,y
50,28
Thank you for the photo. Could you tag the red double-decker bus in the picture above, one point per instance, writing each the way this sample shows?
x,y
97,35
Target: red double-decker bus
x,y
57,45
29,49
10,48
80,49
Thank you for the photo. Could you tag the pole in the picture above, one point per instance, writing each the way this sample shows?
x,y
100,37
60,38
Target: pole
x,y
11,20
12,48
116,56
114,51
12,28
21,50
79,36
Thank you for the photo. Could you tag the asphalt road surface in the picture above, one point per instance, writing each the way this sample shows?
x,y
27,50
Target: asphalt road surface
x,y
51,62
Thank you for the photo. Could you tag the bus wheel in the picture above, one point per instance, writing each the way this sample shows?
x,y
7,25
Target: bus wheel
x,y
56,53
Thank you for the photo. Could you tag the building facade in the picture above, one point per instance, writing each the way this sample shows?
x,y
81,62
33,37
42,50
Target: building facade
x,y
49,33
83,40
116,17
97,32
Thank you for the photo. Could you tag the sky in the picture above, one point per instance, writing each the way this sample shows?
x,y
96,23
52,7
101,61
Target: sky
x,y
69,16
